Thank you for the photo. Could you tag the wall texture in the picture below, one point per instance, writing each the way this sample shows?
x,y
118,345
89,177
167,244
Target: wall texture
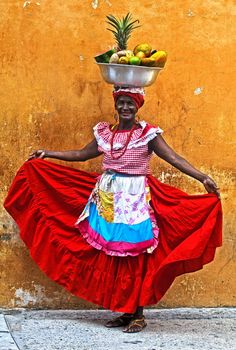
x,y
52,94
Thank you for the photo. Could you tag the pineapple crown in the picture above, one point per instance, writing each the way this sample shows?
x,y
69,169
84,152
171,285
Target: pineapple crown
x,y
121,29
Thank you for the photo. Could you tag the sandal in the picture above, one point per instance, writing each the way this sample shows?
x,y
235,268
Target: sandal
x,y
136,325
120,321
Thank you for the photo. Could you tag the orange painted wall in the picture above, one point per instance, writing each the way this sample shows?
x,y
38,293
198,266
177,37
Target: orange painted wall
x,y
52,94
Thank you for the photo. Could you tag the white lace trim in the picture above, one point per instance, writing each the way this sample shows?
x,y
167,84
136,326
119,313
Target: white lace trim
x,y
133,90
150,135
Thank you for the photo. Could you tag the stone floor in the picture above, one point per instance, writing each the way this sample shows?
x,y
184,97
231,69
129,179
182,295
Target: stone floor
x,y
168,329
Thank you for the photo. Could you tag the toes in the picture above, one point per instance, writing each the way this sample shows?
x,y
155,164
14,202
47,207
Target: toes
x,y
132,330
135,326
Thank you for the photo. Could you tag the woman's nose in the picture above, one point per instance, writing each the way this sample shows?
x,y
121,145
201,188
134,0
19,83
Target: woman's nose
x,y
125,105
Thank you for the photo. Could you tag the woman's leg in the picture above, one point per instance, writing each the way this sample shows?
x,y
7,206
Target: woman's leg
x,y
139,312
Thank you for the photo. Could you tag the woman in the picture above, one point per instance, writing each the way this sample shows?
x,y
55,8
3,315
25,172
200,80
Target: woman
x,y
116,256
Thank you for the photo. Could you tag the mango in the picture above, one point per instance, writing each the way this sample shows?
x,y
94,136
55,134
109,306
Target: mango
x,y
160,58
140,54
146,48
148,61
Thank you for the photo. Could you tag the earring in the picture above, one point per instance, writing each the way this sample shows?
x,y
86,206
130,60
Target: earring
x,y
137,119
116,117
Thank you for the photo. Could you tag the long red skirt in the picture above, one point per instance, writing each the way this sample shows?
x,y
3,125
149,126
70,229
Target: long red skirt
x,y
45,199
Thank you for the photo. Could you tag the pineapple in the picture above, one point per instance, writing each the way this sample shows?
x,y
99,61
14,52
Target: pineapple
x,y
122,29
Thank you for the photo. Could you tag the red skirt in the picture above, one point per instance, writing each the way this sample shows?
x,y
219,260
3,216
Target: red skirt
x,y
45,199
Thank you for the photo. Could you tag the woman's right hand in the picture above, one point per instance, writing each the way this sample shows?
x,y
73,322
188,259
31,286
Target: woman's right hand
x,y
40,153
211,186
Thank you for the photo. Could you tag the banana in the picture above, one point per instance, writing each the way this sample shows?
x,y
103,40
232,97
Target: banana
x,y
114,58
127,53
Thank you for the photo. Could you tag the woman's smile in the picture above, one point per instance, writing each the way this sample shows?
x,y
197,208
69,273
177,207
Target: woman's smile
x,y
126,115
126,107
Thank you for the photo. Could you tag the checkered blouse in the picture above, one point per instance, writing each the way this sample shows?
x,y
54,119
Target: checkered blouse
x,y
135,161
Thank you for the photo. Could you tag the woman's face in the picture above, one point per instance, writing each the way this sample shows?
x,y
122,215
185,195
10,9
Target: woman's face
x,y
126,108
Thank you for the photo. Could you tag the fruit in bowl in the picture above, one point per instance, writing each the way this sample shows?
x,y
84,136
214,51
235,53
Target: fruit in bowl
x,y
143,58
144,48
135,60
104,57
160,58
142,54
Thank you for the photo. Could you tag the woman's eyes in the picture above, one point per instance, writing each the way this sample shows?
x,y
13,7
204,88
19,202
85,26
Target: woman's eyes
x,y
130,104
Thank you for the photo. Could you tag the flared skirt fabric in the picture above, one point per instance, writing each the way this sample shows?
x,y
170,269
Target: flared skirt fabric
x,y
46,199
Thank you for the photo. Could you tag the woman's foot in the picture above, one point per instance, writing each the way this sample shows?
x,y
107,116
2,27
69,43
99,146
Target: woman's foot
x,y
120,321
136,325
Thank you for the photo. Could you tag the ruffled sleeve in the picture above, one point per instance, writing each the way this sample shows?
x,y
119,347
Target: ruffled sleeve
x,y
146,134
102,135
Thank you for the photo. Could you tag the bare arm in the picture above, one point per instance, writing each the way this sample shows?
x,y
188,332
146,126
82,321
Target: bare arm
x,y
164,151
88,152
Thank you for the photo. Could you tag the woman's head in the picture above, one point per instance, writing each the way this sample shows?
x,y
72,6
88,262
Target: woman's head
x,y
128,101
136,94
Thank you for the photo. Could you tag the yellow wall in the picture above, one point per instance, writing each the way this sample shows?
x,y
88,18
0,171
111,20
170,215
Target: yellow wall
x,y
52,94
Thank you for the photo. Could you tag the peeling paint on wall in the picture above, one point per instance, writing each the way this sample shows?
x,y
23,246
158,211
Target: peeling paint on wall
x,y
94,4
26,298
108,2
5,237
27,3
190,13
198,91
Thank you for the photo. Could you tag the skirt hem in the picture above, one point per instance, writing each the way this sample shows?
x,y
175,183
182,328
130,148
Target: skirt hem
x,y
46,198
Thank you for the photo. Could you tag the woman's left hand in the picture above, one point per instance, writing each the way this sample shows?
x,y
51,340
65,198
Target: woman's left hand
x,y
164,151
211,186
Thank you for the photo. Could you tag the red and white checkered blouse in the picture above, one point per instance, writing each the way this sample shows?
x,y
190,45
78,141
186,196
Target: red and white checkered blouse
x,y
135,160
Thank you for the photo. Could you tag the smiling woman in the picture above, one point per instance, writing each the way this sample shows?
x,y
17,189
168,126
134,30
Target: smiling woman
x,y
126,107
118,239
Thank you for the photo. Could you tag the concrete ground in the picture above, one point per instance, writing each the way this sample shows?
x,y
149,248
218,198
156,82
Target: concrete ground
x,y
168,329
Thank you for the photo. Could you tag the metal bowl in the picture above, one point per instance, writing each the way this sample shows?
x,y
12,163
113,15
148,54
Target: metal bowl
x,y
127,75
